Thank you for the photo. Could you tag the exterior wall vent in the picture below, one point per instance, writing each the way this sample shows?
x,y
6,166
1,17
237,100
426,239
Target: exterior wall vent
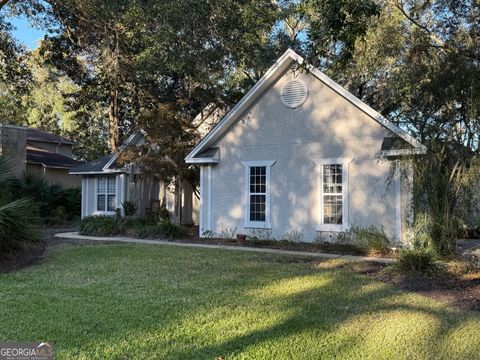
x,y
294,93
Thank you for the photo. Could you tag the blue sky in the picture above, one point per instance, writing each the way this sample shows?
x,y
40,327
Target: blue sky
x,y
25,33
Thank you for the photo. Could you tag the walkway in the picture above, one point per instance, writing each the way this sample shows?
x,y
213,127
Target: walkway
x,y
76,236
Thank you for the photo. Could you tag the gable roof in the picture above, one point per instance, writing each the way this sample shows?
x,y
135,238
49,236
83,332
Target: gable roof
x,y
92,167
282,64
43,136
107,164
48,159
135,136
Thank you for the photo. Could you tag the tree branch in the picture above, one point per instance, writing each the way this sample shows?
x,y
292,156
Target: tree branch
x,y
3,3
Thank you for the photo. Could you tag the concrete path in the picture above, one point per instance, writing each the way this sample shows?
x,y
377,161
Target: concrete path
x,y
76,236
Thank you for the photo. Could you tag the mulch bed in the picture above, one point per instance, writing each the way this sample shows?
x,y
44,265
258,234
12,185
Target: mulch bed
x,y
456,289
30,255
329,248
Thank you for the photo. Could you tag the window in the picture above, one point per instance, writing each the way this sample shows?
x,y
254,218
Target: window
x,y
106,194
257,193
333,194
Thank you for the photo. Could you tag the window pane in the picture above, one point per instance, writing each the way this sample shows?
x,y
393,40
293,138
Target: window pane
x,y
111,185
332,209
101,187
100,202
332,179
111,203
257,207
258,180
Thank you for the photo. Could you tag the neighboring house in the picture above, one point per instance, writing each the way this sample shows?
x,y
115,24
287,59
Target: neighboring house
x,y
106,185
299,152
34,152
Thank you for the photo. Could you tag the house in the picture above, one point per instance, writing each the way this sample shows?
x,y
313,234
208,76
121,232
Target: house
x,y
298,153
34,152
107,185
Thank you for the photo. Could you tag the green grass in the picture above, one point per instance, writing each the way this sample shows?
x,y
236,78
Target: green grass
x,y
155,302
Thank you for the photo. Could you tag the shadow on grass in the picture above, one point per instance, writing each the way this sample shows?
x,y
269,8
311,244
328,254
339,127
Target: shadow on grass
x,y
118,301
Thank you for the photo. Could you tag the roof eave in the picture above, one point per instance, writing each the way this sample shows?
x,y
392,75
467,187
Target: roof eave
x,y
201,161
404,152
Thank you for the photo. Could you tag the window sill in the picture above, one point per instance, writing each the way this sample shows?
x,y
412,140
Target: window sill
x,y
332,228
103,213
257,225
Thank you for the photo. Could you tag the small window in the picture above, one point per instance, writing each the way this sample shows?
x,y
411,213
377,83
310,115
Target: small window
x,y
106,194
332,194
257,194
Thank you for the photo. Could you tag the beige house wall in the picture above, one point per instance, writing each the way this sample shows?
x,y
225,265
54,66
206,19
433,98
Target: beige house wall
x,y
325,126
54,176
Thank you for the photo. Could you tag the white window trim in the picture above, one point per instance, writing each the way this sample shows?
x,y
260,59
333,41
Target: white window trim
x,y
345,192
257,224
95,198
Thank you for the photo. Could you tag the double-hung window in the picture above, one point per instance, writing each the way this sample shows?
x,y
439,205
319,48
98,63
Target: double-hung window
x,y
257,194
106,194
333,194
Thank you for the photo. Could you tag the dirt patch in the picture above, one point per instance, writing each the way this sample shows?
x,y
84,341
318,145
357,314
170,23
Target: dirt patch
x,y
31,254
446,285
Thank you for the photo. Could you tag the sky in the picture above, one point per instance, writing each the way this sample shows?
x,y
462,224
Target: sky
x,y
25,33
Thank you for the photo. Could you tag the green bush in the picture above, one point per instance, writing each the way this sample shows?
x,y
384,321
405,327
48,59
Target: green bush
x,y
55,203
365,239
18,216
101,226
129,208
164,229
416,260
372,238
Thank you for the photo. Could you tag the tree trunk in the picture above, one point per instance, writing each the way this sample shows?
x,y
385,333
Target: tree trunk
x,y
113,119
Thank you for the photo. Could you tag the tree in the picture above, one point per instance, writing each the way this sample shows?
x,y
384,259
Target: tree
x,y
15,77
47,103
417,62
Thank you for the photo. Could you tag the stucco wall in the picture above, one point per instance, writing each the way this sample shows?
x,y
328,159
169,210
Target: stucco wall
x,y
325,126
54,176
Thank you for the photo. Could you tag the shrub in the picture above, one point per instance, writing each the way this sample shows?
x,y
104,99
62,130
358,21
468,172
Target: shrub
x,y
18,221
293,235
227,232
260,234
163,213
49,198
371,238
365,239
18,217
129,208
416,260
164,229
101,226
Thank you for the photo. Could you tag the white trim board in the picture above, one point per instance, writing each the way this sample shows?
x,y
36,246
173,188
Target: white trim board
x,y
128,142
345,162
247,222
257,90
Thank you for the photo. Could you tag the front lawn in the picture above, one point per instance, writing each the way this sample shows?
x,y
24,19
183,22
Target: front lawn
x,y
146,301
